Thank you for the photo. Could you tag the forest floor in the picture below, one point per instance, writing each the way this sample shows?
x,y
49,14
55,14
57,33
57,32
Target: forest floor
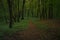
x,y
37,30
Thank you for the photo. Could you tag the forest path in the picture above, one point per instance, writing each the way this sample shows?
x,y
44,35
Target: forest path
x,y
32,33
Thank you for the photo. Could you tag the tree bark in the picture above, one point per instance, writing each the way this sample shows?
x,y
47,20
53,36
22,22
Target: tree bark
x,y
50,11
10,12
38,10
18,17
23,9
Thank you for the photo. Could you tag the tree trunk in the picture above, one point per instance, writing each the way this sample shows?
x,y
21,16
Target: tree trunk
x,y
38,10
23,9
10,12
28,12
18,13
50,11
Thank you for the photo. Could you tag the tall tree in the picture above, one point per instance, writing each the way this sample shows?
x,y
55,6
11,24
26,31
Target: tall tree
x,y
10,12
32,8
47,9
38,10
29,9
18,17
14,13
23,9
50,16
44,9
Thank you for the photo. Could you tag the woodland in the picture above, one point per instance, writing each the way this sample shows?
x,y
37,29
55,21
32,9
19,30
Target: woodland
x,y
29,19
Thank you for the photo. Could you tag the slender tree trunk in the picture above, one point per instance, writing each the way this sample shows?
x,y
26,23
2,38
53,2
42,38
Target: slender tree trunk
x,y
47,9
50,10
23,9
38,10
14,12
29,8
32,9
10,12
43,10
28,12
18,13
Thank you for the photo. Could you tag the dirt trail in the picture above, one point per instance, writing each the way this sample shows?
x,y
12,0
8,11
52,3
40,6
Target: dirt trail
x,y
31,26
31,33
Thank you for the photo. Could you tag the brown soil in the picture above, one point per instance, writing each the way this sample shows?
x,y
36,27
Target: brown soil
x,y
50,22
34,34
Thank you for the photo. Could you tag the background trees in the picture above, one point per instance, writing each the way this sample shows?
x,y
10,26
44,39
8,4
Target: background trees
x,y
14,10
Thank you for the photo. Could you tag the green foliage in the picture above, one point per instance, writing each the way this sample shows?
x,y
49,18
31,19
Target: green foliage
x,y
31,5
